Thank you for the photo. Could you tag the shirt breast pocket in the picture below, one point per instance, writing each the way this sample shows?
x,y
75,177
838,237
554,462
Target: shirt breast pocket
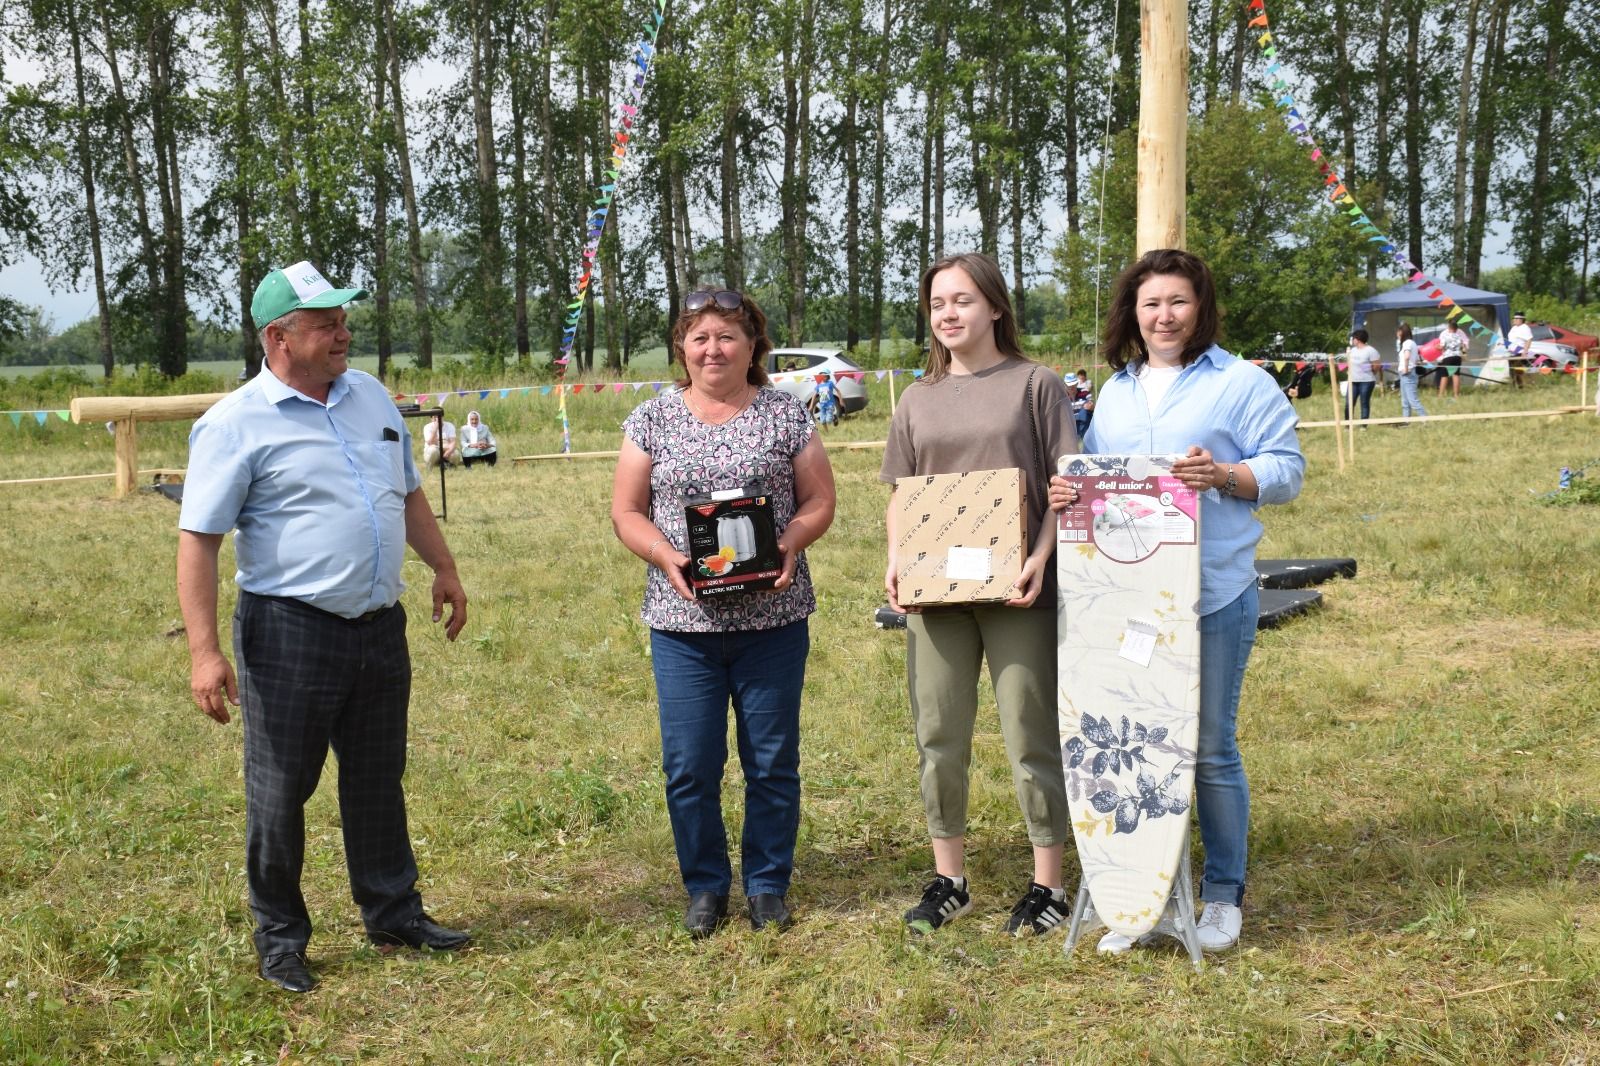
x,y
381,465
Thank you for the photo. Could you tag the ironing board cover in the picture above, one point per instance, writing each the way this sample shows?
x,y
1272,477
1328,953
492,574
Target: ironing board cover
x,y
1128,700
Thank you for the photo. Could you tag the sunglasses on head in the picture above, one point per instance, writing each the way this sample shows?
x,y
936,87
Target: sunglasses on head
x,y
726,299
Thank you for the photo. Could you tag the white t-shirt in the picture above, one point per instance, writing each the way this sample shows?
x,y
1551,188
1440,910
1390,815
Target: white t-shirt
x,y
1452,342
1520,339
430,432
1156,381
1361,359
1408,356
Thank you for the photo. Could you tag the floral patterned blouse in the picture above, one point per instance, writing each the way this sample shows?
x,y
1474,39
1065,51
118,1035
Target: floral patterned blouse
x,y
688,456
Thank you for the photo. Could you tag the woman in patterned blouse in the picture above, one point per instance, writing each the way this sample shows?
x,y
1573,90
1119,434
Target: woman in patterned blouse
x,y
723,428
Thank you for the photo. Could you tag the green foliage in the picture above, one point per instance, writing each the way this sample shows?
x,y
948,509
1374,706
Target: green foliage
x,y
1423,812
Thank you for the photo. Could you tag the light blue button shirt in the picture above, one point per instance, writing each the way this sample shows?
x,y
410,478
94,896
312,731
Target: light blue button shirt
x,y
1234,410
315,491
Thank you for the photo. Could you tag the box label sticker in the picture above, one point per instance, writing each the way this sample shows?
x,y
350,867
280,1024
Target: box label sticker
x,y
971,564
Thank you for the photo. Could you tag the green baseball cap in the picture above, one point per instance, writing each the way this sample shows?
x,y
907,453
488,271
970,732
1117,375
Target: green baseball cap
x,y
294,287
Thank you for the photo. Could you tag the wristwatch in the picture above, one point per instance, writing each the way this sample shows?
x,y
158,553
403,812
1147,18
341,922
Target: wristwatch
x,y
1232,483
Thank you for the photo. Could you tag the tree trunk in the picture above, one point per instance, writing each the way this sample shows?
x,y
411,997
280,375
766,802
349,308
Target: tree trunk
x,y
408,194
1381,148
850,136
1069,111
1533,271
248,260
1213,32
308,137
1342,84
380,218
173,356
940,109
1458,202
732,224
288,173
555,300
877,266
795,190
491,254
1493,69
108,362
133,167
1241,33
688,265
1018,281
1413,131
610,253
517,73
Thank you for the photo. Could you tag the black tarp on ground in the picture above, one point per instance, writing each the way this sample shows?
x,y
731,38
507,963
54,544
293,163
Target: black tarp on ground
x,y
1280,605
1299,573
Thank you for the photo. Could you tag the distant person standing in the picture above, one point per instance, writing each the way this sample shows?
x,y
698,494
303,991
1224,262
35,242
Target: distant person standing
x,y
1520,341
827,397
311,463
1407,369
1363,373
1082,390
1452,350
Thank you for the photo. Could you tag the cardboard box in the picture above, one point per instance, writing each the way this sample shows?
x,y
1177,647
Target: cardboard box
x,y
733,542
962,538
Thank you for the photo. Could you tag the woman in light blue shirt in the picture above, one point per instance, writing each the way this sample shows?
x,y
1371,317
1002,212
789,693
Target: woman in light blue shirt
x,y
1176,392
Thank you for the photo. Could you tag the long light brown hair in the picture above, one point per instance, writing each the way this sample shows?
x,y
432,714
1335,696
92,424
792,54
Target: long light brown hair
x,y
1124,343
985,273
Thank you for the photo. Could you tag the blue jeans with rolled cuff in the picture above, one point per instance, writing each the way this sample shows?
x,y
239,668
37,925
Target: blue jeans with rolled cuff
x,y
1222,795
760,673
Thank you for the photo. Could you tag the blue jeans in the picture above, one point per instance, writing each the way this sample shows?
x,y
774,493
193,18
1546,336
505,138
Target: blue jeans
x,y
1360,392
761,672
1221,792
1408,396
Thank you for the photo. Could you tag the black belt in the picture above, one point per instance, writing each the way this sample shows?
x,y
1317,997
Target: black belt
x,y
360,619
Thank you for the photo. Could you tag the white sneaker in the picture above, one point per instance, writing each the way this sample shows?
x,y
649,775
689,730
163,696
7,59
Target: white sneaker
x,y
1114,943
1219,926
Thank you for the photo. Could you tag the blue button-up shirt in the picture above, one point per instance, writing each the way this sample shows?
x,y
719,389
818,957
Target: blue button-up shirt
x,y
1234,410
316,491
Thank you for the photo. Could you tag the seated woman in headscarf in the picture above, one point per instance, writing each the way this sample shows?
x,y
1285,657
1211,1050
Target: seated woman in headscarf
x,y
477,443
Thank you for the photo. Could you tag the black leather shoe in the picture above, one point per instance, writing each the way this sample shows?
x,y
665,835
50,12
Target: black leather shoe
x,y
767,908
420,932
288,972
706,914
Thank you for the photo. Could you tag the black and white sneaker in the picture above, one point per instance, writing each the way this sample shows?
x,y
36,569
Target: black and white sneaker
x,y
941,902
1038,913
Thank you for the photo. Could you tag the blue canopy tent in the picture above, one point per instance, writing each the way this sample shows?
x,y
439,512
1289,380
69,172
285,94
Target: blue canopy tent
x,y
1382,314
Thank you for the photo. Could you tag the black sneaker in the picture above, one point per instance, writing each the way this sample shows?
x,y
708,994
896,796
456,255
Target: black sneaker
x,y
1038,913
941,902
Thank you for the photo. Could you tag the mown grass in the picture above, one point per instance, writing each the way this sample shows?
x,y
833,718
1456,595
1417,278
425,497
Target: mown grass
x,y
1425,872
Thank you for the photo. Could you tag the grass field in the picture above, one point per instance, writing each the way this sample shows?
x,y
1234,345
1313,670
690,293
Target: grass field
x,y
1425,867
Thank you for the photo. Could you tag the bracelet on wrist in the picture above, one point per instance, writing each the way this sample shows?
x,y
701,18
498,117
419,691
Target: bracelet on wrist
x,y
1227,487
650,553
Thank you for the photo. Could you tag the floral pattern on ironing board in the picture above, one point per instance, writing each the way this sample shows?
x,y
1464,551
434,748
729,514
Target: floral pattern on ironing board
x,y
1128,729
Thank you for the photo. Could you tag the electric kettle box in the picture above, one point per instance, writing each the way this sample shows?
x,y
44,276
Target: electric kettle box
x,y
961,538
733,541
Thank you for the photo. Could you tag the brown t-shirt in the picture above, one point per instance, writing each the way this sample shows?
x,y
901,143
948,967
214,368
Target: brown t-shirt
x,y
978,422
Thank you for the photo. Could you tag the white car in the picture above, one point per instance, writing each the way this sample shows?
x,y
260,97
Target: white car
x,y
795,370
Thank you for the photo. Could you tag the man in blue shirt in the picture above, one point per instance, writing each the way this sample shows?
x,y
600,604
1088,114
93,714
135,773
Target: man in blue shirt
x,y
311,463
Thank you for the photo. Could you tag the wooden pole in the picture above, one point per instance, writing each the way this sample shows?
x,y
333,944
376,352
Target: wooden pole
x,y
891,393
1163,123
125,412
1338,411
1583,381
127,453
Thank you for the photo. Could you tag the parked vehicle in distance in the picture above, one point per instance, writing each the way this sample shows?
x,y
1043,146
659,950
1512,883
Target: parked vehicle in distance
x,y
795,370
1580,342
